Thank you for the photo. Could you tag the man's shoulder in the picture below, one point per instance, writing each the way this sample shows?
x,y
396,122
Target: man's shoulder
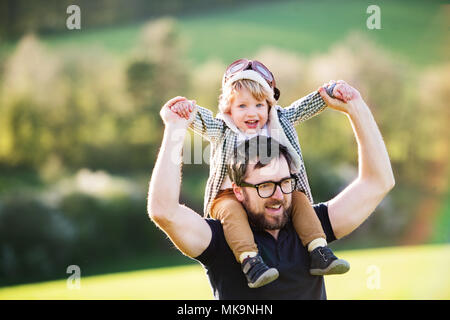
x,y
321,208
216,229
214,224
322,213
217,243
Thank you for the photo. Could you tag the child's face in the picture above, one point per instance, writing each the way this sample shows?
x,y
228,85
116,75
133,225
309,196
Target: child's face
x,y
248,114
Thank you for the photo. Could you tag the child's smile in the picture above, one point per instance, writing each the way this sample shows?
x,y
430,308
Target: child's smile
x,y
252,124
248,114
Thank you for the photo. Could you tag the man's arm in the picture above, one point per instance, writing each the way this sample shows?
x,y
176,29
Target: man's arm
x,y
188,231
375,178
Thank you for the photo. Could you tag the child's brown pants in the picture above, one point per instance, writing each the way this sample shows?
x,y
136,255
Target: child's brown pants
x,y
238,234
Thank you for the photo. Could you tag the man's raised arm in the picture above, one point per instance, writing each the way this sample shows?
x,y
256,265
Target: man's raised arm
x,y
375,178
188,231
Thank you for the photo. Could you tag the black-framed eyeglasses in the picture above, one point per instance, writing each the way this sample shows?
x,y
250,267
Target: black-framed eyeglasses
x,y
267,189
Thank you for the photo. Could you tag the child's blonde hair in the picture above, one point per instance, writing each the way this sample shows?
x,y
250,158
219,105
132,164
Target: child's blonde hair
x,y
258,92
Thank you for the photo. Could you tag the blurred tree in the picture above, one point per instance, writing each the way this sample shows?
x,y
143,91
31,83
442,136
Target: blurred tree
x,y
18,17
35,240
160,65
155,75
87,108
206,83
141,76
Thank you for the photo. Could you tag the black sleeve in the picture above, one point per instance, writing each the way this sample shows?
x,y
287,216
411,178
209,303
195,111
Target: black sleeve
x,y
208,256
322,213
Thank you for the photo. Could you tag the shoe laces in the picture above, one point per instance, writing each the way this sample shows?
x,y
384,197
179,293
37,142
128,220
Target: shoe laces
x,y
325,253
253,267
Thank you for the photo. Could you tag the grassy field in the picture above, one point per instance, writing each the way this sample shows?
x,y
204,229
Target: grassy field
x,y
413,30
389,273
309,27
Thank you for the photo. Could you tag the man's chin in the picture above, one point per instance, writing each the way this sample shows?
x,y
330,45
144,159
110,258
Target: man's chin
x,y
269,217
272,223
269,220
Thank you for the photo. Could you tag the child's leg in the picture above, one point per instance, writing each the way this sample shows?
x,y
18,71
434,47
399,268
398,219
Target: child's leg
x,y
309,228
236,228
306,222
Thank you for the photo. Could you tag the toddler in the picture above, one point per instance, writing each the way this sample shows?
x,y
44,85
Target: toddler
x,y
247,108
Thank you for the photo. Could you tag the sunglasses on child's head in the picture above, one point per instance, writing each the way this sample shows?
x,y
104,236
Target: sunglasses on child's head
x,y
245,64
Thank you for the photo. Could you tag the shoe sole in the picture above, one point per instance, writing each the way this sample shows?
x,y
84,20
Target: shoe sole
x,y
336,267
267,277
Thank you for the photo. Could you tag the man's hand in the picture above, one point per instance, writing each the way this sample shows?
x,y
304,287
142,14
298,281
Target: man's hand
x,y
170,115
342,92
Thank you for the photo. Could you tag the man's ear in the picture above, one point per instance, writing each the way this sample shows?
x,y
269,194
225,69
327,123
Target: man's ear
x,y
238,192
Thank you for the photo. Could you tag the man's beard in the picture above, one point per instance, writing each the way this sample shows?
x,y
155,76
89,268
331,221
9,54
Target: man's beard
x,y
258,219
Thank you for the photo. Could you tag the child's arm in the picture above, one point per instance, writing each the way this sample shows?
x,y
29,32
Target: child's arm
x,y
203,123
311,105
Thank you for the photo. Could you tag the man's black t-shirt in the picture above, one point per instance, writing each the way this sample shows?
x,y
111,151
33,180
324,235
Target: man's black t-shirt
x,y
287,254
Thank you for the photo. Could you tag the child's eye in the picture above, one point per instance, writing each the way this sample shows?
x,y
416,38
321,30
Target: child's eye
x,y
259,105
242,106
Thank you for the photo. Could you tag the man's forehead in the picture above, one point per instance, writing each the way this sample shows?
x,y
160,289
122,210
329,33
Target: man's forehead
x,y
275,170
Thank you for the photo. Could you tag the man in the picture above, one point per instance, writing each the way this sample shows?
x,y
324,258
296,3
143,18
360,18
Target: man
x,y
203,239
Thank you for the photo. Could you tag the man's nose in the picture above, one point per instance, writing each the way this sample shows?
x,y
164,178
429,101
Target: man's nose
x,y
278,194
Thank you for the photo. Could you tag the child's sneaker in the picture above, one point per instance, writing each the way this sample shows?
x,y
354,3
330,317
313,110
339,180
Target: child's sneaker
x,y
257,272
324,262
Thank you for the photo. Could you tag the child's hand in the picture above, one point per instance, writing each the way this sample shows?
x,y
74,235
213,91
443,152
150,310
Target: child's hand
x,y
343,94
183,108
169,117
342,90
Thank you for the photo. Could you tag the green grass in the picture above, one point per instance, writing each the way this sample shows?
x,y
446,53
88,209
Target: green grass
x,y
413,30
404,273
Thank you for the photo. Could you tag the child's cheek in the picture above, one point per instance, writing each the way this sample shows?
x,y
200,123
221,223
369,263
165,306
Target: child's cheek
x,y
238,115
264,119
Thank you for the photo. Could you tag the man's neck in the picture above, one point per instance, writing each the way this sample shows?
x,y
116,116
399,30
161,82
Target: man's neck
x,y
274,233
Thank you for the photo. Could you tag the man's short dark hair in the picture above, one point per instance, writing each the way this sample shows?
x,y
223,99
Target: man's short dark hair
x,y
260,150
